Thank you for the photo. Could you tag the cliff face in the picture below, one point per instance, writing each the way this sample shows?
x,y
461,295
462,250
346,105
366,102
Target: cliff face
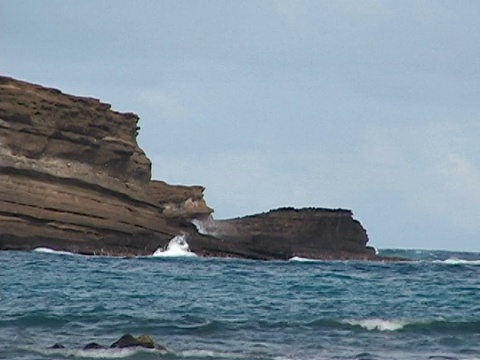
x,y
288,232
73,177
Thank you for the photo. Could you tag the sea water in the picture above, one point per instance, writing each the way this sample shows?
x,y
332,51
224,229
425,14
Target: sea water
x,y
239,309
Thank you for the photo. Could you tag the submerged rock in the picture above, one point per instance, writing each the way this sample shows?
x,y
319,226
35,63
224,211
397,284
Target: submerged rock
x,y
129,340
93,345
126,341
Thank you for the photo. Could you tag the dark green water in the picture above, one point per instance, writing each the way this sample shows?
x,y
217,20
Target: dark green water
x,y
234,309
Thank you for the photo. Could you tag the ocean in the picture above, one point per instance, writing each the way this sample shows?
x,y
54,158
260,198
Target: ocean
x,y
201,308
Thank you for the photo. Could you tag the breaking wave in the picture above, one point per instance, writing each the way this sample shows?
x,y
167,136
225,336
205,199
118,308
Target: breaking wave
x,y
455,261
51,251
177,247
134,353
377,324
436,256
98,353
302,259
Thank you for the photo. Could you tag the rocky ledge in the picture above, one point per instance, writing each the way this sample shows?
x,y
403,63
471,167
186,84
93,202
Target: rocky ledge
x,y
73,178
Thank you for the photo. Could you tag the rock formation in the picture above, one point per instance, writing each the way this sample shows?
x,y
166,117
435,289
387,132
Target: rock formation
x,y
72,177
126,341
288,232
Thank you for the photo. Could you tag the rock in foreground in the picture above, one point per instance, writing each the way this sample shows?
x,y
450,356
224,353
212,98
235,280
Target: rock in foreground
x,y
126,341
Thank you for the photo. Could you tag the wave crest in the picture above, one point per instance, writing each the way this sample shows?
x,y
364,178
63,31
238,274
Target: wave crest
x,y
95,353
377,324
177,247
46,250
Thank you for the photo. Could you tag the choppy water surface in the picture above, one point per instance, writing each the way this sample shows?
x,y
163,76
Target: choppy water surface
x,y
236,309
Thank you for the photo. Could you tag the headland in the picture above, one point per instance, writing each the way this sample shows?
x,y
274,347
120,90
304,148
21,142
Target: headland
x,y
73,178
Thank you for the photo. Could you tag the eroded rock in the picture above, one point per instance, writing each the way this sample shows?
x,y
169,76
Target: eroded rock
x,y
73,178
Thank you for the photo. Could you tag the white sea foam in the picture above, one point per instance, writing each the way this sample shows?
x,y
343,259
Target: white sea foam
x,y
212,354
302,259
456,261
93,353
51,251
177,247
377,324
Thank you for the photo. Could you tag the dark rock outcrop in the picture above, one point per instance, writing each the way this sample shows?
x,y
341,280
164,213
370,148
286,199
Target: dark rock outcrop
x,y
288,232
73,178
129,340
126,341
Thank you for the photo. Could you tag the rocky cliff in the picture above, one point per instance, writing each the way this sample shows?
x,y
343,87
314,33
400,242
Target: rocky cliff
x,y
72,177
287,232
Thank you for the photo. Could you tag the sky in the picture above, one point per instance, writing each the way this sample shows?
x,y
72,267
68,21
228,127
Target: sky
x,y
369,105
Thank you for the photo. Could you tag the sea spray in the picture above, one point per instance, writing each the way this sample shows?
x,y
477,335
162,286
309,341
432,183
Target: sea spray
x,y
208,226
200,225
177,247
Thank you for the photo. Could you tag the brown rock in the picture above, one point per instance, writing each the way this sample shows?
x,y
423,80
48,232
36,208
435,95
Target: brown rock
x,y
74,178
179,200
287,232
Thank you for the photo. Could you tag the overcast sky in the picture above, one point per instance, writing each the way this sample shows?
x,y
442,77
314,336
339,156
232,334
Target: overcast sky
x,y
367,105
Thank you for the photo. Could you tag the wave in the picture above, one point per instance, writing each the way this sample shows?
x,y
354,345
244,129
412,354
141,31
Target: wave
x,y
432,255
377,324
302,259
140,353
51,251
421,326
212,354
177,247
455,261
204,326
370,324
97,353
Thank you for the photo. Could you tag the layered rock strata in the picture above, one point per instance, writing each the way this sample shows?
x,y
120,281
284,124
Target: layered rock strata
x,y
285,233
72,177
